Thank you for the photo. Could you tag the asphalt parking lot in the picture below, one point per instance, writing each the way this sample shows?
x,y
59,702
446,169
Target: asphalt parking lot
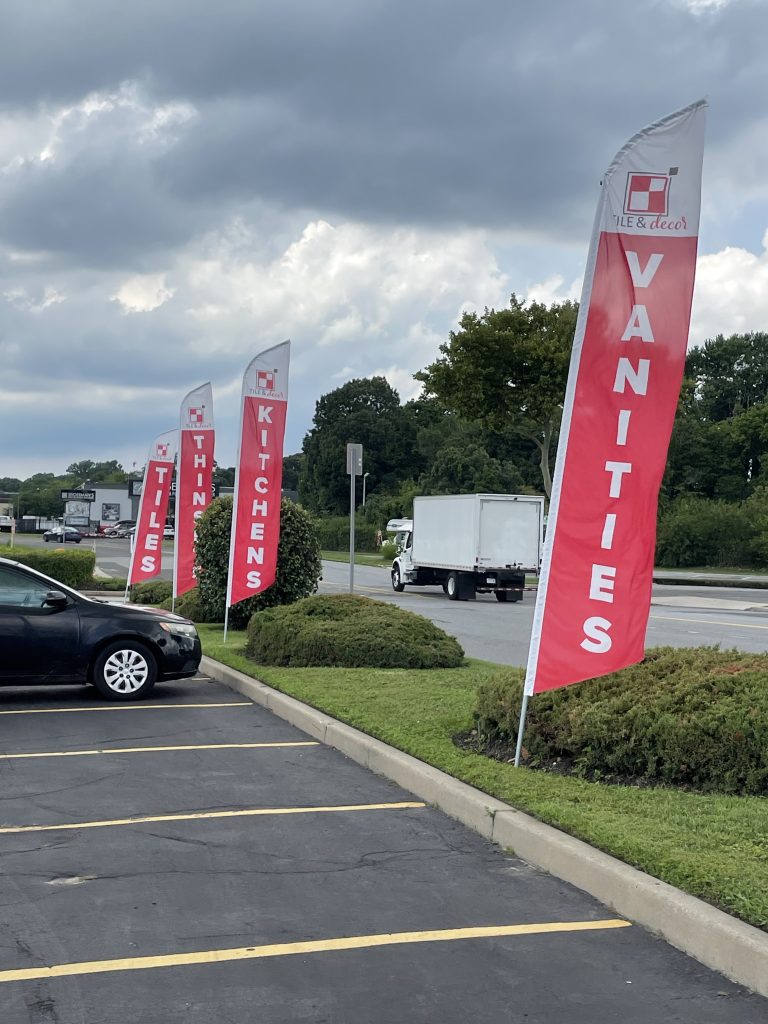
x,y
193,858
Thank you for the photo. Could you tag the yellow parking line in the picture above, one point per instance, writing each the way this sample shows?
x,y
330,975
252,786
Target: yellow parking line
x,y
246,812
127,707
710,622
156,750
218,956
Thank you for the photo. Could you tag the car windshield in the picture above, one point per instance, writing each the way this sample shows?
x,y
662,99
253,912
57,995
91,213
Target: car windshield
x,y
53,584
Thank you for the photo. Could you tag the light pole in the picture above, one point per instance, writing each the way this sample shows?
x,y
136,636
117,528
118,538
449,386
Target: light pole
x,y
364,477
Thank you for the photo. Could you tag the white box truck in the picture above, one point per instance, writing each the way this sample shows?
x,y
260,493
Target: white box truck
x,y
469,544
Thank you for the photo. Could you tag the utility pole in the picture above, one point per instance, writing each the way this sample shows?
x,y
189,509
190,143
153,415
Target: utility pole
x,y
354,468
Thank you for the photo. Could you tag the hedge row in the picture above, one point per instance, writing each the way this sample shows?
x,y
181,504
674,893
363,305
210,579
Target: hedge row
x,y
695,531
691,717
72,568
333,534
349,631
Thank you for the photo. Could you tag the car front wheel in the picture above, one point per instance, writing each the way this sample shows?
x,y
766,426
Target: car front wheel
x,y
397,584
125,670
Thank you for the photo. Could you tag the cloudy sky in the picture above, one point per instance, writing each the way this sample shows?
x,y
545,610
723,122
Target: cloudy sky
x,y
184,183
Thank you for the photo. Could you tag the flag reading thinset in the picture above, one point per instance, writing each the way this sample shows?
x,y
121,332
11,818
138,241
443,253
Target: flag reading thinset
x,y
256,509
194,481
625,374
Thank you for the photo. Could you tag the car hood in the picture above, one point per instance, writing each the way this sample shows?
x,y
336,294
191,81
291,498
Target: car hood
x,y
119,610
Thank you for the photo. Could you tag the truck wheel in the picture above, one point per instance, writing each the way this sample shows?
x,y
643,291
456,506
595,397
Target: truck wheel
x,y
452,586
501,595
445,586
397,585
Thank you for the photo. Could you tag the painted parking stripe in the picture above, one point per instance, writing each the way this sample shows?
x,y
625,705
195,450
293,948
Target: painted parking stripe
x,y
218,956
244,812
127,707
160,750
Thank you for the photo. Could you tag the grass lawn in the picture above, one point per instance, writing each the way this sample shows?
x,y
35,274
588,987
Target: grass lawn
x,y
710,846
361,558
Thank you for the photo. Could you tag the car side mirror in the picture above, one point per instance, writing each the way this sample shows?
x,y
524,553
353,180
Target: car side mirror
x,y
55,599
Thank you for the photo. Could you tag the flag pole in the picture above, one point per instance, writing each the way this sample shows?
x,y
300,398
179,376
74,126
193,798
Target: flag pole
x,y
521,730
226,622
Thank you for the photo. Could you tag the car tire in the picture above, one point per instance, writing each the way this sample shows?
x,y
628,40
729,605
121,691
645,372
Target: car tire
x,y
124,670
397,584
47,540
502,595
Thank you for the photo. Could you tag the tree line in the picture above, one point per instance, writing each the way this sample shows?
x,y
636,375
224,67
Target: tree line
x,y
488,420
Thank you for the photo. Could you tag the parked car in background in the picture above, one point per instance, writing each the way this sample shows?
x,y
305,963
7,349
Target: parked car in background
x,y
50,633
119,529
168,531
67,534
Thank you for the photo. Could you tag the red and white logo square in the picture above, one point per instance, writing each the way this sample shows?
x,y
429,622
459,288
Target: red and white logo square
x,y
647,193
196,416
265,379
161,450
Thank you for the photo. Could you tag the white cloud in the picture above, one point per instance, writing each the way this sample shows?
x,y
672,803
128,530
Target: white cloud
x,y
143,293
731,294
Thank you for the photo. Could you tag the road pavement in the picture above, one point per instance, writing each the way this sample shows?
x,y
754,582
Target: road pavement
x,y
194,859
680,616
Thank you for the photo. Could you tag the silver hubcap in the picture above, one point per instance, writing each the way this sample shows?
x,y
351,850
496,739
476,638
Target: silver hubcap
x,y
396,578
125,671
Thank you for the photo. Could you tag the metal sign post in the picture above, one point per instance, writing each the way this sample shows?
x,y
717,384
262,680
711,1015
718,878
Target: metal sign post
x,y
354,468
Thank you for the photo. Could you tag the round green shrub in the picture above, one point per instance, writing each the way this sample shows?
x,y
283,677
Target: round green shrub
x,y
188,605
152,592
691,717
298,562
351,632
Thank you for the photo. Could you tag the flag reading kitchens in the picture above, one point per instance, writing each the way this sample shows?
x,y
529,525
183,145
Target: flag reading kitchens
x,y
147,551
194,481
623,385
256,508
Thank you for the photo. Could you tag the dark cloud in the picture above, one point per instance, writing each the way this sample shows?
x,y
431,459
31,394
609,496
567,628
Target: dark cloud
x,y
438,113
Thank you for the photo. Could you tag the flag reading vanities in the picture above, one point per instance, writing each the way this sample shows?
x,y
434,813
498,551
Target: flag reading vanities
x,y
624,380
256,508
194,481
147,551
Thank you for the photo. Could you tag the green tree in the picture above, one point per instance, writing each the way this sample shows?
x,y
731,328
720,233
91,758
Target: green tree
x,y
224,476
366,412
298,562
469,469
110,472
292,467
730,374
40,495
9,484
508,369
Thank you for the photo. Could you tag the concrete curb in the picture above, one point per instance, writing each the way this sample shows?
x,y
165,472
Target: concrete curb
x,y
714,938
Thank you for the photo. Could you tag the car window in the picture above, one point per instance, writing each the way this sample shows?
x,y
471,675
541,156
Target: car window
x,y
19,590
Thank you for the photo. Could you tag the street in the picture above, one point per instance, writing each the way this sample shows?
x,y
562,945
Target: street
x,y
680,616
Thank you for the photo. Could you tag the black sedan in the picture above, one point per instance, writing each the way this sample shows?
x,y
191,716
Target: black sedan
x,y
69,535
50,633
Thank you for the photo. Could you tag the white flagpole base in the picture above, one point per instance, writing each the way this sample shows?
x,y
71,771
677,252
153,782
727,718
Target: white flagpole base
x,y
521,730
